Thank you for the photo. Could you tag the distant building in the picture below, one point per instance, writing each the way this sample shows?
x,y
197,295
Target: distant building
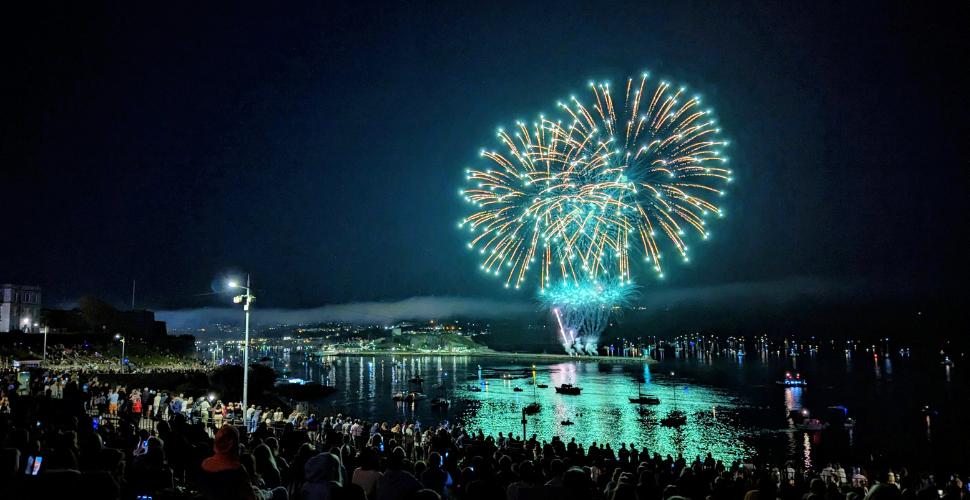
x,y
19,308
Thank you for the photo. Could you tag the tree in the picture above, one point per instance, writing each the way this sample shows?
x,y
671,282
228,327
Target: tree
x,y
227,381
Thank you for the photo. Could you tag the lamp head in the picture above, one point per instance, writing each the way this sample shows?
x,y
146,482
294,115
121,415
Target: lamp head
x,y
232,284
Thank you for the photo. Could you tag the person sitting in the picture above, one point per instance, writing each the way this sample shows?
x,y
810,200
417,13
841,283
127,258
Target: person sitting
x,y
223,476
367,475
323,479
396,483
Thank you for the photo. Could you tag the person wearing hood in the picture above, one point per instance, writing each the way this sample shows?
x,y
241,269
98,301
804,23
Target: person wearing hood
x,y
323,478
224,476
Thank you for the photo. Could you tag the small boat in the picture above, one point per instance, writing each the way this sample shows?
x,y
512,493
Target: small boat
x,y
849,423
542,386
415,396
532,408
674,419
796,381
474,388
416,380
569,389
517,389
644,399
398,397
440,403
567,422
813,424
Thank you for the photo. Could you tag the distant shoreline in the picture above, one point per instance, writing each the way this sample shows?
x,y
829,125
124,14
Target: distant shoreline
x,y
517,355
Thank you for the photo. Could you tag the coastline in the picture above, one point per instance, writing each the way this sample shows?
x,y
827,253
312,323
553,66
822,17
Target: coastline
x,y
517,355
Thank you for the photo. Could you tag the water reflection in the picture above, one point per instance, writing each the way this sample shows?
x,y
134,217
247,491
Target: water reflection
x,y
733,407
602,413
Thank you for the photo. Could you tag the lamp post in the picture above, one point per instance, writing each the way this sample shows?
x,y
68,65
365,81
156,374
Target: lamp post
x,y
122,338
245,300
44,356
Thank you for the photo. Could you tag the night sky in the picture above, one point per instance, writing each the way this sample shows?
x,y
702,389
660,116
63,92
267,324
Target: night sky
x,y
320,146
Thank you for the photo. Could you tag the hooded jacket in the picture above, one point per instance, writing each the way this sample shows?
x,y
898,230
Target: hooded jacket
x,y
224,476
322,477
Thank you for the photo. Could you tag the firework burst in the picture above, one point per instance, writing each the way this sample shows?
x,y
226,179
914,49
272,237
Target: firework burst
x,y
574,195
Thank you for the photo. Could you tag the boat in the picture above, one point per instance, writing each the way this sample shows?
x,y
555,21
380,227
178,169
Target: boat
x,y
849,423
644,399
813,424
415,396
440,402
398,397
474,388
532,408
517,389
569,389
789,381
542,386
674,419
416,380
567,422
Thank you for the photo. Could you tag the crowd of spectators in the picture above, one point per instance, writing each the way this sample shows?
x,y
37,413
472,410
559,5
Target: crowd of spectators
x,y
338,457
70,434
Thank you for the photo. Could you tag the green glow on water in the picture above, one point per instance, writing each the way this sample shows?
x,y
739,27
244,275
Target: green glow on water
x,y
604,414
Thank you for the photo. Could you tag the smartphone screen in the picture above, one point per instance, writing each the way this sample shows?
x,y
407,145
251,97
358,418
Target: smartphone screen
x,y
36,468
94,423
441,461
382,446
30,465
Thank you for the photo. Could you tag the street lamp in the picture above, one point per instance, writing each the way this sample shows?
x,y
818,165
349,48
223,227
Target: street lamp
x,y
44,355
122,338
245,300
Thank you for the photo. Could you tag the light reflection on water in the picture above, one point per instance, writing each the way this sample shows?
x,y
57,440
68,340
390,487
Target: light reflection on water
x,y
602,413
884,395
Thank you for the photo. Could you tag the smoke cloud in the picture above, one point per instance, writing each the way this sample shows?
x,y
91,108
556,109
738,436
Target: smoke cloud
x,y
771,292
366,313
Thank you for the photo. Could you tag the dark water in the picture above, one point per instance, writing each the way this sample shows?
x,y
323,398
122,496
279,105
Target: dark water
x,y
734,408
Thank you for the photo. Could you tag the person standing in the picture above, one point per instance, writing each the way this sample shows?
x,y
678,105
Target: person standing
x,y
254,422
113,403
204,412
356,431
218,414
136,406
146,402
156,403
249,417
